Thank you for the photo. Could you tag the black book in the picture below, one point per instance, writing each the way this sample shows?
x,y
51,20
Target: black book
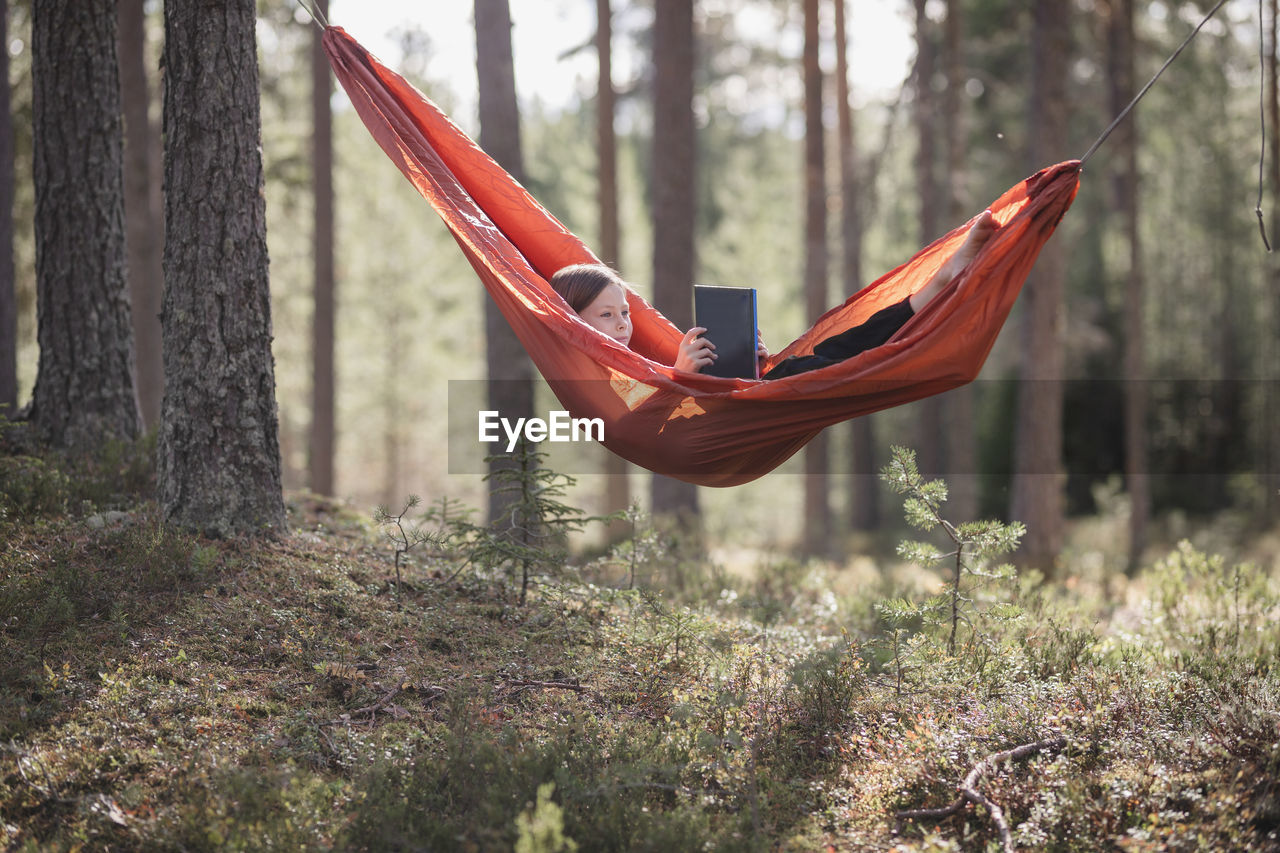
x,y
729,316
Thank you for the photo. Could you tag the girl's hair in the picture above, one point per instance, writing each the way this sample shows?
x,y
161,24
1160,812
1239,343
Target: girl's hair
x,y
580,284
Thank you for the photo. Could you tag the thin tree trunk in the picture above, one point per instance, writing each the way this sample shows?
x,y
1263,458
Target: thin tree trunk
x,y
864,494
8,283
322,329
1120,53
617,495
142,215
960,444
674,202
817,509
393,346
1037,498
84,391
510,370
1271,351
929,410
219,454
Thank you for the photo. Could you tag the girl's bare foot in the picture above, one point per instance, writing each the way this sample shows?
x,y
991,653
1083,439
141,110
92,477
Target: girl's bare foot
x,y
979,233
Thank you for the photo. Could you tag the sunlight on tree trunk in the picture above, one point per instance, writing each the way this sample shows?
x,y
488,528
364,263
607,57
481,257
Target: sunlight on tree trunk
x,y
8,283
1271,347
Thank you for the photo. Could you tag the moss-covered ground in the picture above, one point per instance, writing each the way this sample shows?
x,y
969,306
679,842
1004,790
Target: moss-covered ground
x,y
159,691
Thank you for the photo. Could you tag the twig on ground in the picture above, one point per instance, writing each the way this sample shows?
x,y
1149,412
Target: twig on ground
x,y
371,710
523,684
50,790
969,792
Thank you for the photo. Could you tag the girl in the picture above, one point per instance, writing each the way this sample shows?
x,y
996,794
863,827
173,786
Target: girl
x,y
599,295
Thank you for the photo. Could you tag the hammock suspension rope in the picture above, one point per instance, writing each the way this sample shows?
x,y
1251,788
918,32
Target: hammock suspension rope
x,y
1138,97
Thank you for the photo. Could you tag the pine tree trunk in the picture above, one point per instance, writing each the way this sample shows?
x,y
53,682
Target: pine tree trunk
x,y
8,283
817,508
1037,498
928,411
84,391
219,455
960,445
1120,50
1271,350
322,324
510,370
864,494
142,216
674,201
617,495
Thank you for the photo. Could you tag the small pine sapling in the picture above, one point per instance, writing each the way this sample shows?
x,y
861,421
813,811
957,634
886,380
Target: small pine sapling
x,y
403,535
638,549
540,522
975,544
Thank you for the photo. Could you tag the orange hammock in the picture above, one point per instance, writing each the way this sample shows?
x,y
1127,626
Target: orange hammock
x,y
701,429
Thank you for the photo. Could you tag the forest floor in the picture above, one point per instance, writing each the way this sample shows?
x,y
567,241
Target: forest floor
x,y
163,691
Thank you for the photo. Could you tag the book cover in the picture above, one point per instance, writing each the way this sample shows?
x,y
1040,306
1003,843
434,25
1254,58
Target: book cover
x,y
729,316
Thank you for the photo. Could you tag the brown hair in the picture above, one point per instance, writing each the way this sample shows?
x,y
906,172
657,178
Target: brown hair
x,y
580,284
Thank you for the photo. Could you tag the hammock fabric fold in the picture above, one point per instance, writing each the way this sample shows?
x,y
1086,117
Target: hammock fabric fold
x,y
701,429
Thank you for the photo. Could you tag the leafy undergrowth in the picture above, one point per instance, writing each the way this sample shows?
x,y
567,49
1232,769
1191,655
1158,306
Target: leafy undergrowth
x,y
160,691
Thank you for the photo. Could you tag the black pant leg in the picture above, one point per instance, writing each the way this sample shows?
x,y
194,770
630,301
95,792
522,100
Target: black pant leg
x,y
877,329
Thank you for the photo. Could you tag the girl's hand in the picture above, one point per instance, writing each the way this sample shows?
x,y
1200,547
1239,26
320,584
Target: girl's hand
x,y
695,352
762,351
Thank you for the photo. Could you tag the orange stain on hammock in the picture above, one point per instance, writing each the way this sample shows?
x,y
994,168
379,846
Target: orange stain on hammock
x,y
632,392
688,408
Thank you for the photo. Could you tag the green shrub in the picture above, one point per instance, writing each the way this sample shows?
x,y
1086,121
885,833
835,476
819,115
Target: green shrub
x,y
615,790
251,808
117,474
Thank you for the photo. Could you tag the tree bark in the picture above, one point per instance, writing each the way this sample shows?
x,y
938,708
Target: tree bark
x,y
674,201
817,506
8,282
617,496
143,229
1037,498
1271,352
219,454
1120,55
864,494
323,431
510,370
960,446
929,410
84,391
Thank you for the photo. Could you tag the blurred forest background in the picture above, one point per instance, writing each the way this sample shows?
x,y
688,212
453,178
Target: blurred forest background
x,y
1164,315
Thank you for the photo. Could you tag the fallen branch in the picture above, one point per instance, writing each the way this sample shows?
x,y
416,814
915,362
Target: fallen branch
x,y
371,710
969,792
50,790
522,684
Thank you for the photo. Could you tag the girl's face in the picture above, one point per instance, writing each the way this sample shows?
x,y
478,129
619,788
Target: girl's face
x,y
609,313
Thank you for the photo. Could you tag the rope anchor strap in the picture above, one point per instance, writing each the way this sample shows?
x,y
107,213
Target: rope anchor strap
x,y
312,9
1138,97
